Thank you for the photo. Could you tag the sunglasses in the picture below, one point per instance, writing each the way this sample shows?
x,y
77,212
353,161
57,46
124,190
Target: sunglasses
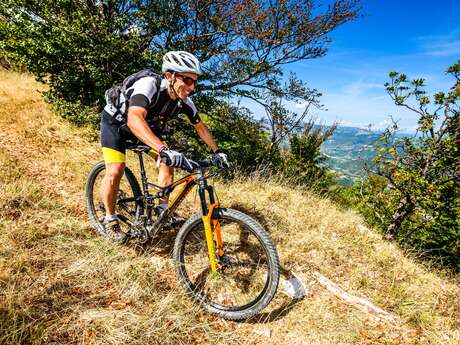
x,y
187,80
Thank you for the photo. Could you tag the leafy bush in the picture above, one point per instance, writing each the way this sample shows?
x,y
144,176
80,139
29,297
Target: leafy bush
x,y
303,161
413,190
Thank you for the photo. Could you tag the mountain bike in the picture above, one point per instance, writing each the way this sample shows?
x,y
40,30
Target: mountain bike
x,y
224,259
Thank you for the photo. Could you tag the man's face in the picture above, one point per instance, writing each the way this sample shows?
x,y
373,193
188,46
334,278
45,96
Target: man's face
x,y
185,84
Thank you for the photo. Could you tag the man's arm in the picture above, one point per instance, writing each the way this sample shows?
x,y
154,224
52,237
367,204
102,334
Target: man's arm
x,y
205,135
140,128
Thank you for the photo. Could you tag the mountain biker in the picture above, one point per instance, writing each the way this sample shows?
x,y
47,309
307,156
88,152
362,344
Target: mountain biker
x,y
145,101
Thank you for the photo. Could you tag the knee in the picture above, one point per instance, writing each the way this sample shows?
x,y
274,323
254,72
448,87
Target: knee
x,y
166,175
168,178
114,171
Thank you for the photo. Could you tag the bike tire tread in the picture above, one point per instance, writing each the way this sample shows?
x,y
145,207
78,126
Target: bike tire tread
x,y
266,242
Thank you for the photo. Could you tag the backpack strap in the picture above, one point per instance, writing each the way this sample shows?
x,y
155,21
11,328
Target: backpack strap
x,y
158,85
114,93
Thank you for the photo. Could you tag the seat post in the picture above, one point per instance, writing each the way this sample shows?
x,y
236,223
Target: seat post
x,y
145,185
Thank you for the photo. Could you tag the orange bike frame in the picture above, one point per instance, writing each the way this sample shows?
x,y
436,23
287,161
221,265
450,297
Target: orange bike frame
x,y
211,224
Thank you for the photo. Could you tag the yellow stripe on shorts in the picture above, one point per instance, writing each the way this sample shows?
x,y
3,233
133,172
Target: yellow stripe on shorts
x,y
113,156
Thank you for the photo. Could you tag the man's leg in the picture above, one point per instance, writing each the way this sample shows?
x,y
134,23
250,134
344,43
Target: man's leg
x,y
110,185
165,177
113,149
109,190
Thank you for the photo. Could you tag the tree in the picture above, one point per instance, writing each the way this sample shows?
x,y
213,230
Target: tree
x,y
82,47
303,162
283,122
422,172
243,139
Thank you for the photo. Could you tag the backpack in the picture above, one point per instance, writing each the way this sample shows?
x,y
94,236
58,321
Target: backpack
x,y
112,95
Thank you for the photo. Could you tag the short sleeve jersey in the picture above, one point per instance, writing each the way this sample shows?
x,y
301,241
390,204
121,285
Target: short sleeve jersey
x,y
160,107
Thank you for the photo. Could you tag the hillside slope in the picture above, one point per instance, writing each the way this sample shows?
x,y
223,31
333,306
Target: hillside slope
x,y
61,283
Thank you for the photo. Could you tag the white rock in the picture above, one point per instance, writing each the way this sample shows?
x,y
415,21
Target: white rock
x,y
293,287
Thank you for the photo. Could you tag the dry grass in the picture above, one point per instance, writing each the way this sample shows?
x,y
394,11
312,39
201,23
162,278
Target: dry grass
x,y
60,283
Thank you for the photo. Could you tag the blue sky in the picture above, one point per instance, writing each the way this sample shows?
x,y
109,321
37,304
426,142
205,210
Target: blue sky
x,y
419,38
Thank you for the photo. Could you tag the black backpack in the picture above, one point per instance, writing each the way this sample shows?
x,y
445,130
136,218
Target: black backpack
x,y
112,95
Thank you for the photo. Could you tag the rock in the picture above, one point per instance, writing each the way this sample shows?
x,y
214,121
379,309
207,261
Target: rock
x,y
264,332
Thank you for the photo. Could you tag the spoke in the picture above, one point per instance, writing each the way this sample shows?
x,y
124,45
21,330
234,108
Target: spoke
x,y
244,271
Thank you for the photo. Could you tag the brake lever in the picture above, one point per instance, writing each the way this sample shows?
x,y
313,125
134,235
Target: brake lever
x,y
194,165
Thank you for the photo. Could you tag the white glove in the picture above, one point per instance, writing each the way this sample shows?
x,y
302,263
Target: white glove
x,y
175,159
220,159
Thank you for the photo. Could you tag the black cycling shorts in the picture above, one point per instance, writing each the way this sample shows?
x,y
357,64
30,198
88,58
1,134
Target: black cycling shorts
x,y
113,138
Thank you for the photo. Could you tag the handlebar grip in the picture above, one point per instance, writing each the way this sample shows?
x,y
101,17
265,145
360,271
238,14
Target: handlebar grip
x,y
204,163
166,160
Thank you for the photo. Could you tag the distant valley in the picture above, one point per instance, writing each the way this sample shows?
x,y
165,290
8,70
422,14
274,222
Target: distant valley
x,y
348,150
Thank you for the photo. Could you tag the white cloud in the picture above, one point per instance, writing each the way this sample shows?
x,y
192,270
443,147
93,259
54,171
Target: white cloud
x,y
443,48
353,91
361,104
360,87
441,45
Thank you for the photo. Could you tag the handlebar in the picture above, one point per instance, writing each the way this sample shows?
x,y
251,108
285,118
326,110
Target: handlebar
x,y
198,164
204,163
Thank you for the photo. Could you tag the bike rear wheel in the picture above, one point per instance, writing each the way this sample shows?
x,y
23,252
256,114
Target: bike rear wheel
x,y
127,207
249,271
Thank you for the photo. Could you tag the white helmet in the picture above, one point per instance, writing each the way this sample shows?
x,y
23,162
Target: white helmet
x,y
181,61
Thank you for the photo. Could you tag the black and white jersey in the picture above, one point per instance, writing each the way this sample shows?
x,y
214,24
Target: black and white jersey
x,y
160,107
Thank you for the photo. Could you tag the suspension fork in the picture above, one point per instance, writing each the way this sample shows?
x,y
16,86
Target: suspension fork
x,y
211,225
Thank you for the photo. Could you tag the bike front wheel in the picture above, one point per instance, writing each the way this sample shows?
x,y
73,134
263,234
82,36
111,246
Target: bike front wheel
x,y
248,274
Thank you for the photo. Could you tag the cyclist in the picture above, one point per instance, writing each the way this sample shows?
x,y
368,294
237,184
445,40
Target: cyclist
x,y
156,101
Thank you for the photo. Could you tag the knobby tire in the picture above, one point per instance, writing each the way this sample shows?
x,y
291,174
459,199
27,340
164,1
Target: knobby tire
x,y
190,250
94,208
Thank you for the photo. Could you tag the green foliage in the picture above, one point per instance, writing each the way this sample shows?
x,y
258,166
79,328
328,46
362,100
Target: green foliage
x,y
244,140
371,198
303,161
76,47
80,48
248,144
413,189
281,121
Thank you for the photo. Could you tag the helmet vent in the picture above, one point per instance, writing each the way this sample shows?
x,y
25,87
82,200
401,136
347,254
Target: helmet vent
x,y
176,60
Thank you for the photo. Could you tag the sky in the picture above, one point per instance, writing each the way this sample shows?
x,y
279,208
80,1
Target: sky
x,y
419,38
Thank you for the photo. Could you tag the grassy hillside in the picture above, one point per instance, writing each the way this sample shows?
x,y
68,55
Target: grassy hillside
x,y
61,283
